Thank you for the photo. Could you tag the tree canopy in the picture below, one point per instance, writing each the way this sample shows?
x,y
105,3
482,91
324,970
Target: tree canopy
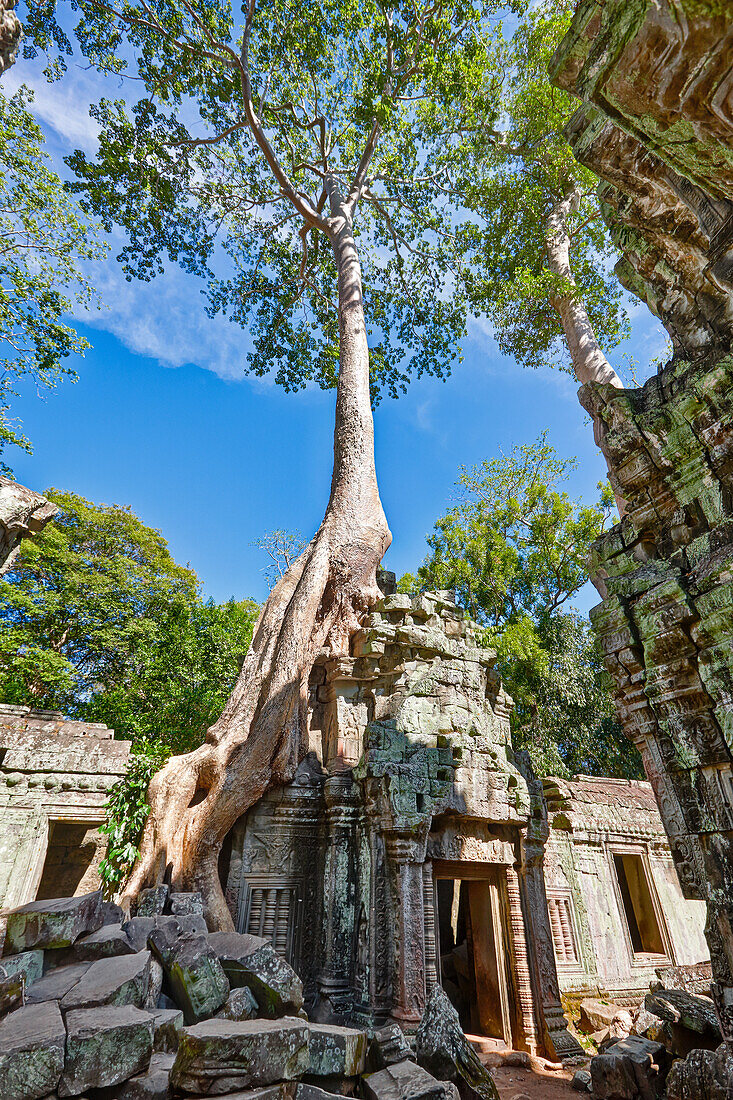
x,y
98,620
222,165
515,548
530,199
44,242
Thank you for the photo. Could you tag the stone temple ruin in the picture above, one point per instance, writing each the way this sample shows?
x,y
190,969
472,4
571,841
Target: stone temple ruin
x,y
413,856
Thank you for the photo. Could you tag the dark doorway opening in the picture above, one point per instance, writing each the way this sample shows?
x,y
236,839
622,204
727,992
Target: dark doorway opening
x,y
644,930
472,956
72,860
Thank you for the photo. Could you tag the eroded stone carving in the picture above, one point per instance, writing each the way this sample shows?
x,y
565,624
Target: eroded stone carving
x,y
22,512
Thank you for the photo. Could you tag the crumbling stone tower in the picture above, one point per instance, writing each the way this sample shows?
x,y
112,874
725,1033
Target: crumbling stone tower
x,y
657,128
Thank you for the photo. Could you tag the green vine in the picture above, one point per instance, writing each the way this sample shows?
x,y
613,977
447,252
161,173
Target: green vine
x,y
127,811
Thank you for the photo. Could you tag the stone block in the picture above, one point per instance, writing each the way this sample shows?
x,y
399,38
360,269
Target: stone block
x,y
444,1050
32,1042
596,1015
219,1056
581,1081
28,963
153,901
53,923
56,984
105,1046
195,975
336,1051
138,929
687,1010
249,961
389,1046
186,905
12,990
167,1022
241,1005
632,1068
152,1084
403,1081
116,981
112,913
110,940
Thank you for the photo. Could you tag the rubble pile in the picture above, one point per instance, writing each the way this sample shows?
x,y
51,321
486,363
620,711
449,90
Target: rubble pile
x,y
673,1047
97,1006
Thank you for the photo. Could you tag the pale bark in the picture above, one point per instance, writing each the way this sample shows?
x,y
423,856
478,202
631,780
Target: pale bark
x,y
589,362
261,736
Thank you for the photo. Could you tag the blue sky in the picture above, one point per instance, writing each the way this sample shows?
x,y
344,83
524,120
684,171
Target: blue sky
x,y
163,418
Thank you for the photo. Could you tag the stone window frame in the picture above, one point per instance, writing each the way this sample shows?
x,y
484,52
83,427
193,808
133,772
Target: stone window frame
x,y
565,894
70,815
262,881
640,959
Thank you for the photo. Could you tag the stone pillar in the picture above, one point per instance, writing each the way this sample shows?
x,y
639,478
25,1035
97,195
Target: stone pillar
x,y
405,856
335,982
521,962
428,902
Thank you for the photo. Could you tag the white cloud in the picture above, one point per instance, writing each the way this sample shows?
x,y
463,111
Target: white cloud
x,y
63,106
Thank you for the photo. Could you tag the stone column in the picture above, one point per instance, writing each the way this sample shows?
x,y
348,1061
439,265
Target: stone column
x,y
428,901
335,982
405,856
521,962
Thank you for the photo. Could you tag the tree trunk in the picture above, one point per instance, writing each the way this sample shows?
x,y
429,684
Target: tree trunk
x,y
589,362
261,736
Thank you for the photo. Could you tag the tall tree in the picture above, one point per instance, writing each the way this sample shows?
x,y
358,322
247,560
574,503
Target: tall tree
x,y
289,158
44,242
542,270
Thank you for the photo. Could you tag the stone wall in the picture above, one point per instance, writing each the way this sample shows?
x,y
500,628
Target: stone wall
x,y
54,777
657,128
593,822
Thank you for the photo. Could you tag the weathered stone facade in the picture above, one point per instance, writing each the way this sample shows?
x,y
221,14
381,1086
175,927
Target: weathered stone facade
x,y
617,911
54,778
660,76
410,849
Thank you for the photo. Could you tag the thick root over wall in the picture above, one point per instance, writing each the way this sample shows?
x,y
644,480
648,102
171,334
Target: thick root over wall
x,y
261,737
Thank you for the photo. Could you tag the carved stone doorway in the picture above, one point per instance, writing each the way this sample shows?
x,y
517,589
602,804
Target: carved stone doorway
x,y
472,946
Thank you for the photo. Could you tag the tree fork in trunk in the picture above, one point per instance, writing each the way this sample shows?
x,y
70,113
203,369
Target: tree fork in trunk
x,y
260,738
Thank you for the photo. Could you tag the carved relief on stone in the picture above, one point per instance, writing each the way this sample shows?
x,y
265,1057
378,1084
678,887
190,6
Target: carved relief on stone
x,y
22,512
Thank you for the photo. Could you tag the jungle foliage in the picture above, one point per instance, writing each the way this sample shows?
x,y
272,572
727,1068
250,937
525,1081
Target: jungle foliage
x,y
514,548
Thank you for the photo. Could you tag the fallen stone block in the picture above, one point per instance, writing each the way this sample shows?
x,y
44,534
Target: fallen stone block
x,y
105,1046
692,977
240,1005
389,1046
57,922
581,1081
152,1084
186,905
630,1069
445,1052
336,1051
285,1090
702,1075
167,1023
138,929
112,913
32,1042
249,961
108,942
152,901
28,963
219,1056
12,992
596,1015
305,1090
403,1081
118,981
688,1010
155,987
56,984
195,975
